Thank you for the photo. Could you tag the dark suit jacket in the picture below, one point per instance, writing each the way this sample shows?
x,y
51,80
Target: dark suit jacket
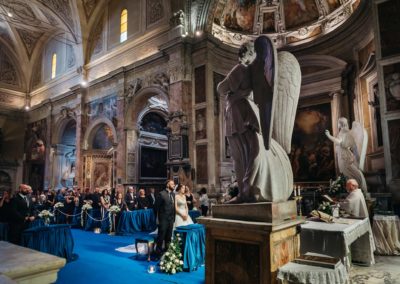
x,y
151,200
164,208
19,209
130,201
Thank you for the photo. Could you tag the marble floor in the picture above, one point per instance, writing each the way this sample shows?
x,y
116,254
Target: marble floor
x,y
385,271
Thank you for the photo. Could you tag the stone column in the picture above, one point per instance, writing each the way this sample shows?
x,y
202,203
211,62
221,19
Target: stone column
x,y
120,147
80,131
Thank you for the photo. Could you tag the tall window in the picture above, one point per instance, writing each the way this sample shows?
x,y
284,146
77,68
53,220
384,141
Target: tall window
x,y
124,25
53,65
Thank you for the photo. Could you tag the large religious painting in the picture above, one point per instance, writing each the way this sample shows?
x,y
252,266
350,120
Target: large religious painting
x,y
239,15
299,13
35,140
201,124
103,138
101,176
36,176
202,164
392,86
104,107
154,123
312,155
394,140
153,163
389,22
269,22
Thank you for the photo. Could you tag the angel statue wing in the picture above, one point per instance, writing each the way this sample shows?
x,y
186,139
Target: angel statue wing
x,y
360,137
286,99
264,73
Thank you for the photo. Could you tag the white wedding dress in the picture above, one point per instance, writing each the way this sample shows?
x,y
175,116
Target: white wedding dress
x,y
182,210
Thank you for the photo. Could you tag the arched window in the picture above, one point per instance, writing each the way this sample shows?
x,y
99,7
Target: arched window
x,y
124,25
53,65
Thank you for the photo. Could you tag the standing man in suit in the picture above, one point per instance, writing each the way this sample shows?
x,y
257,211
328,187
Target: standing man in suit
x,y
151,197
20,213
130,198
164,210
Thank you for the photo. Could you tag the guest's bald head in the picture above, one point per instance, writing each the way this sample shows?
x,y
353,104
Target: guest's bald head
x,y
24,189
351,185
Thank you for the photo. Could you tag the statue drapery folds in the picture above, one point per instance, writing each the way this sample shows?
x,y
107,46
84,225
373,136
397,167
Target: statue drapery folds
x,y
261,100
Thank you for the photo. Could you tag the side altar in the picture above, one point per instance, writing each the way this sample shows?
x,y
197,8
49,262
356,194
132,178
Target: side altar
x,y
247,243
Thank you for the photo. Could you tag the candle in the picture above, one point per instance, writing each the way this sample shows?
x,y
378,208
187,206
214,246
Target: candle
x,y
294,191
151,269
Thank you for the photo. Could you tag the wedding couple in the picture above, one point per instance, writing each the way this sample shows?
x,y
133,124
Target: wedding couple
x,y
171,211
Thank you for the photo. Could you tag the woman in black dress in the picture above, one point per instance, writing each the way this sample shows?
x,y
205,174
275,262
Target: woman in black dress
x,y
143,201
190,200
120,202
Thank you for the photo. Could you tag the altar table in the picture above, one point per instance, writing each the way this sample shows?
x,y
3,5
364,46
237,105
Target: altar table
x,y
193,245
194,214
53,239
136,221
339,239
386,230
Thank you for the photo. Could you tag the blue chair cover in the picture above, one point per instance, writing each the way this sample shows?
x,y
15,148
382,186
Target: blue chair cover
x,y
96,214
53,239
136,221
3,232
193,245
194,214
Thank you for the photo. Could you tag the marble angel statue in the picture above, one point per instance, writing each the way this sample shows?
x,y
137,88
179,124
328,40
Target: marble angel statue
x,y
261,101
351,148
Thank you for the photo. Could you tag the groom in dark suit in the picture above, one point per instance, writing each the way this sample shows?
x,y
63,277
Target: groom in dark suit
x,y
164,209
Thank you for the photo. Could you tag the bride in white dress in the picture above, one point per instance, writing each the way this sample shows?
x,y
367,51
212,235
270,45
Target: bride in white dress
x,y
182,217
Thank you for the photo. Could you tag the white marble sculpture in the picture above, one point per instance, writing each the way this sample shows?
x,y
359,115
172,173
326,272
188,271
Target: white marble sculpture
x,y
351,149
259,130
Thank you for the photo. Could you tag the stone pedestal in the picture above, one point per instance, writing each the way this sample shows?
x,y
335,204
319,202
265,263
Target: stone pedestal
x,y
24,265
239,251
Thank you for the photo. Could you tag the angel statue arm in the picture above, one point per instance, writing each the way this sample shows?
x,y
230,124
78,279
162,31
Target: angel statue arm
x,y
332,138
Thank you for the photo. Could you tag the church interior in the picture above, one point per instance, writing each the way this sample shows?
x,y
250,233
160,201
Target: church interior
x,y
109,95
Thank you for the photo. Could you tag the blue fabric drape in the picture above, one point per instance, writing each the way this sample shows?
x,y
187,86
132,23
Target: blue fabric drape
x,y
54,239
96,214
194,214
3,232
136,221
38,222
76,220
193,245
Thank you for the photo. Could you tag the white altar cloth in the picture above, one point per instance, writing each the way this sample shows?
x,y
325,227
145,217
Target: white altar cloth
x,y
339,239
300,273
386,230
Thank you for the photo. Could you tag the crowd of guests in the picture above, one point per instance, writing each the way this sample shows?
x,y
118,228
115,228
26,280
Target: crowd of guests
x,y
23,208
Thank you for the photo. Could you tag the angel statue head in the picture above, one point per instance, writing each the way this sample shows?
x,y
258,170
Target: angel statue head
x,y
342,123
246,53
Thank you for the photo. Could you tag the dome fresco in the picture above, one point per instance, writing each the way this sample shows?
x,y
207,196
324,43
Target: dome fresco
x,y
288,22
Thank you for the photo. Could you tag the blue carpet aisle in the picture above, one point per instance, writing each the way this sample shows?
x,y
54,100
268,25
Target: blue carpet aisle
x,y
99,262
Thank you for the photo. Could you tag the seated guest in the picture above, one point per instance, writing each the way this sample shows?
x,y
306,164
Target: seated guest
x,y
105,201
354,204
20,214
5,203
190,200
151,197
130,198
142,201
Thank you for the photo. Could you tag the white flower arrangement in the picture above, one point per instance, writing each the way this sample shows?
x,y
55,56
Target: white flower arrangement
x,y
58,205
86,206
114,209
46,215
171,261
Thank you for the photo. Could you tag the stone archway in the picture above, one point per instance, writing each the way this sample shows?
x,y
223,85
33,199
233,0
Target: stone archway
x,y
148,100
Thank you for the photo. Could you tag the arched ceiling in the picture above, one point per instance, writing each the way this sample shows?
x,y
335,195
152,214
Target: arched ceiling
x,y
287,22
27,25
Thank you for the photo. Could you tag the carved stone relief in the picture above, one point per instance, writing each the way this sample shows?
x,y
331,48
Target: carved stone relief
x,y
29,38
71,60
51,20
89,6
155,11
37,74
8,73
97,39
22,12
61,8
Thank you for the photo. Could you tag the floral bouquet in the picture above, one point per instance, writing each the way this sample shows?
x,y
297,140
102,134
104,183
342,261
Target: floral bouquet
x,y
325,207
337,186
171,262
58,205
114,209
46,215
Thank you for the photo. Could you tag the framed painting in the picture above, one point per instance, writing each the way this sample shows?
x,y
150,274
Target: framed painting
x,y
101,174
312,154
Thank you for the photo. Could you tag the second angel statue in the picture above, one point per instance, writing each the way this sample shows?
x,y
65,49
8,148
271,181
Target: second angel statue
x,y
262,92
